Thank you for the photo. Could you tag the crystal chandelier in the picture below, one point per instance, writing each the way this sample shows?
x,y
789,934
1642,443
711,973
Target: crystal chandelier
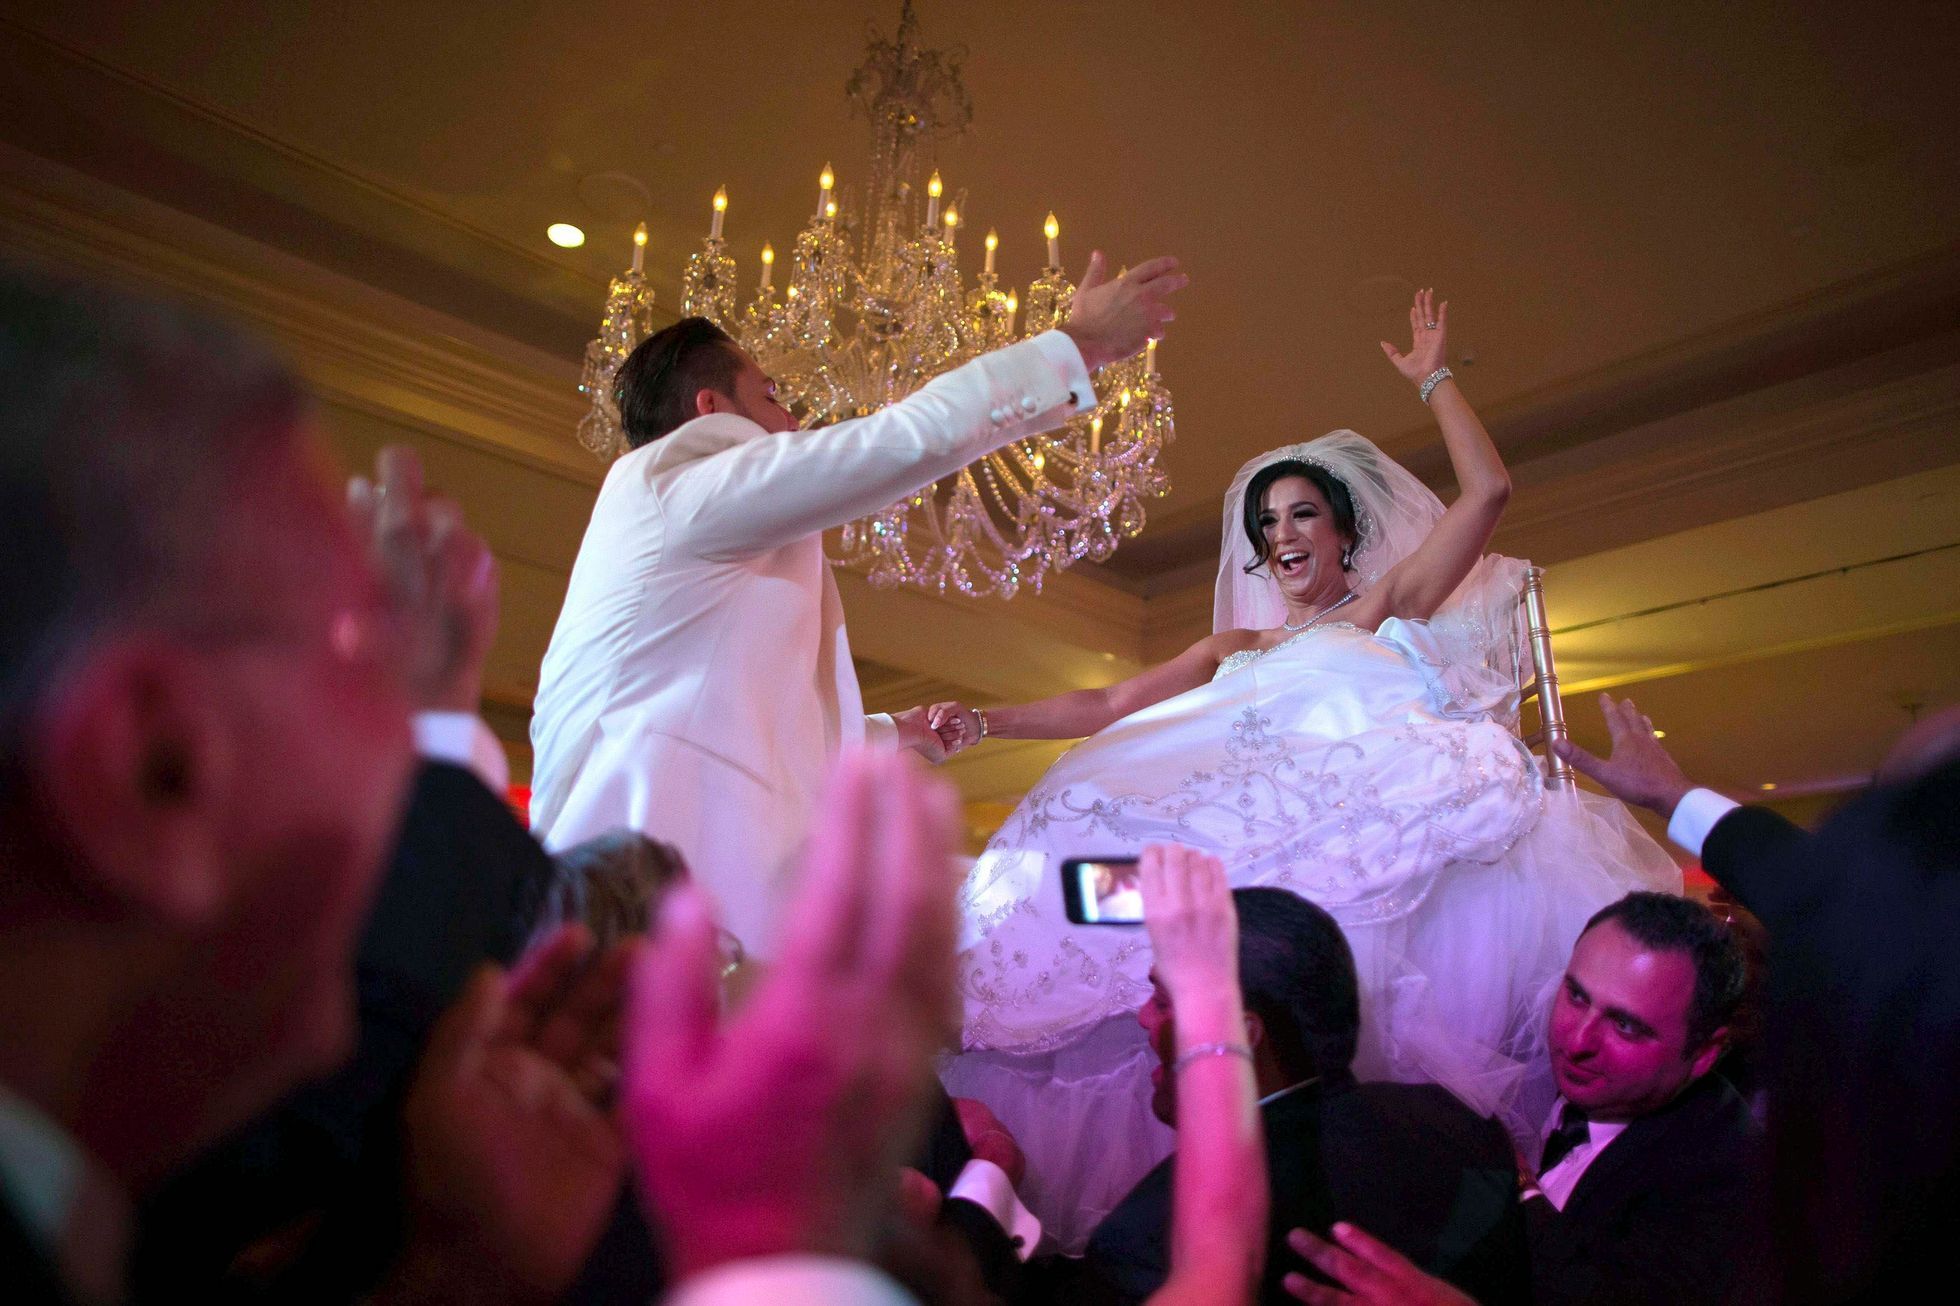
x,y
875,307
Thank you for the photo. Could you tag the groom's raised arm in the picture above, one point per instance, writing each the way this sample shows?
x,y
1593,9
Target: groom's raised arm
x,y
775,489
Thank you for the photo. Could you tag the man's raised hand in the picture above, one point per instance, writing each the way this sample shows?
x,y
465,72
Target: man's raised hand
x,y
1638,770
1111,320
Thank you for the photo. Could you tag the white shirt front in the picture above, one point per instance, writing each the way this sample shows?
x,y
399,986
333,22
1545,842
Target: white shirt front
x,y
1558,1182
699,679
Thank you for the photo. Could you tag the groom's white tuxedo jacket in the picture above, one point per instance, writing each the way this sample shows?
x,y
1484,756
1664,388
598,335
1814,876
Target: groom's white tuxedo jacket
x,y
699,678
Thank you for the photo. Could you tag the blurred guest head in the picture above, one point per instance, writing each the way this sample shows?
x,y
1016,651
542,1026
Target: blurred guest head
x,y
613,884
1929,741
204,743
1302,1006
1645,1005
689,370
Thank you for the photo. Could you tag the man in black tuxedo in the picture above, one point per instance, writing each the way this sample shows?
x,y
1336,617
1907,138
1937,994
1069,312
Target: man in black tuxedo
x,y
1863,1020
1407,1160
1643,1185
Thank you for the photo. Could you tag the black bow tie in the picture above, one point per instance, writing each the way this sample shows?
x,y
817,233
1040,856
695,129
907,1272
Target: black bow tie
x,y
1572,1130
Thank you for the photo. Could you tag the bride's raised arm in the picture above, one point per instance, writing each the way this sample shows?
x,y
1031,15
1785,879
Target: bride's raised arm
x,y
1084,711
1417,586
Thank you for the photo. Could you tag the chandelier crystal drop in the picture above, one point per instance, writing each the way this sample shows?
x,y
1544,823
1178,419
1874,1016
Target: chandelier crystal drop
x,y
873,307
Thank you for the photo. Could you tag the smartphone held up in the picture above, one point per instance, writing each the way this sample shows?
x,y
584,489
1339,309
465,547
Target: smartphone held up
x,y
1102,891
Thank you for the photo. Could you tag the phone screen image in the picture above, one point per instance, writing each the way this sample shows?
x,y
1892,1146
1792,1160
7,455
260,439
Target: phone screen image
x,y
1102,891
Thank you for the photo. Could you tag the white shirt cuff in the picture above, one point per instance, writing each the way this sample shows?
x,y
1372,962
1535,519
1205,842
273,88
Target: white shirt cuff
x,y
790,1281
462,738
880,731
987,1186
1695,815
1061,352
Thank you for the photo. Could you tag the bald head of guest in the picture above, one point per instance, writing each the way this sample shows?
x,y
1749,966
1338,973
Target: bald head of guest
x,y
204,743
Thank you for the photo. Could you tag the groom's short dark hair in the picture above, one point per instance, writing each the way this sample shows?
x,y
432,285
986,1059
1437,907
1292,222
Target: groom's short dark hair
x,y
654,388
1297,974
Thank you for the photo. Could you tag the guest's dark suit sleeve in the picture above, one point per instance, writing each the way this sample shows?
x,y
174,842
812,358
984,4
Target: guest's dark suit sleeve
x,y
1757,856
1664,1258
1663,1214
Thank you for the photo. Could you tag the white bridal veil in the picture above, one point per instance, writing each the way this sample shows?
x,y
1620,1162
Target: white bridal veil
x,y
1478,640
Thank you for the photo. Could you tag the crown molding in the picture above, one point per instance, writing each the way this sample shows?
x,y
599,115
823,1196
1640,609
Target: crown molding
x,y
354,342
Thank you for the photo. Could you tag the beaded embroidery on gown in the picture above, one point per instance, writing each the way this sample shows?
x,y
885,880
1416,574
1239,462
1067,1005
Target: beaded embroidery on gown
x,y
1341,765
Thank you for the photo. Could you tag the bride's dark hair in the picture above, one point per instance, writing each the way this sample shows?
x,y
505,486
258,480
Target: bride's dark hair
x,y
1331,487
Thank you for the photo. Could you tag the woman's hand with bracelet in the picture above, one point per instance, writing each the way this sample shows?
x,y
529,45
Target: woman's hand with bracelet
x,y
1193,927
1426,365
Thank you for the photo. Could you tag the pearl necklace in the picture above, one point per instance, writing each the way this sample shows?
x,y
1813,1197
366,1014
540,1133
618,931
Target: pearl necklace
x,y
1315,620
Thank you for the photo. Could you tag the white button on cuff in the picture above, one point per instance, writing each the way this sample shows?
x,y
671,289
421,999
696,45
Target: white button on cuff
x,y
1029,406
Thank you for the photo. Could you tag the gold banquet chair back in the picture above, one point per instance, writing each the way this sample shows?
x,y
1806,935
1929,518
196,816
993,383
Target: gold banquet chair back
x,y
1538,681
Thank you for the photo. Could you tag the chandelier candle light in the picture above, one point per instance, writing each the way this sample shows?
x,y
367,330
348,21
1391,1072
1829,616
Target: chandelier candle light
x,y
874,308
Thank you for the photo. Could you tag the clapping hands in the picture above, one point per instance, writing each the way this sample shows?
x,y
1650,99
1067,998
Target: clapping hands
x,y
441,579
781,1130
514,1157
1429,324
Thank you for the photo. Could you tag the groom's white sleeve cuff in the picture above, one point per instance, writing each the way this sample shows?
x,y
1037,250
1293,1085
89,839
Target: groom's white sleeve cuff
x,y
880,731
1695,815
790,1281
1060,351
987,1186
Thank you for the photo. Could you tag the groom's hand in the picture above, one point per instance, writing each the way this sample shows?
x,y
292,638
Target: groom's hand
x,y
1111,320
916,733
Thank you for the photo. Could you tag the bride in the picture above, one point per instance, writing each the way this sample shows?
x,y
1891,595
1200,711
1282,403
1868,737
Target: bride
x,y
1348,734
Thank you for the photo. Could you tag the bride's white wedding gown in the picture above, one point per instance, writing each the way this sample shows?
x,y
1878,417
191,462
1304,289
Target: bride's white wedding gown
x,y
1348,767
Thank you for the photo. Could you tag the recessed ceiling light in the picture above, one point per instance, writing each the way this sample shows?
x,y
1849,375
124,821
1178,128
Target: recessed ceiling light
x,y
1766,786
1660,734
565,235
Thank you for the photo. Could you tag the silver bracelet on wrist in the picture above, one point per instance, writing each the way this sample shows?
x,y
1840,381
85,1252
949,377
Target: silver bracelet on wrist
x,y
980,715
1434,379
1204,1050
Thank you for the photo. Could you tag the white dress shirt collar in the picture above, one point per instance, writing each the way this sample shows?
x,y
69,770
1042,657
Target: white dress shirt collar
x,y
1558,1182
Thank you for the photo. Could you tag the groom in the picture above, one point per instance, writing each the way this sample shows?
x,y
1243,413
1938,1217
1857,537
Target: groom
x,y
699,678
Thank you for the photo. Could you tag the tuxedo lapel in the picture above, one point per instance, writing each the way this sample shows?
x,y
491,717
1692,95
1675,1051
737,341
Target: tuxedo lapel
x,y
1646,1138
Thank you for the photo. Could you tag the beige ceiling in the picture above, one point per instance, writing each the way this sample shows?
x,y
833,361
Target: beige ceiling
x,y
1586,183
1704,265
